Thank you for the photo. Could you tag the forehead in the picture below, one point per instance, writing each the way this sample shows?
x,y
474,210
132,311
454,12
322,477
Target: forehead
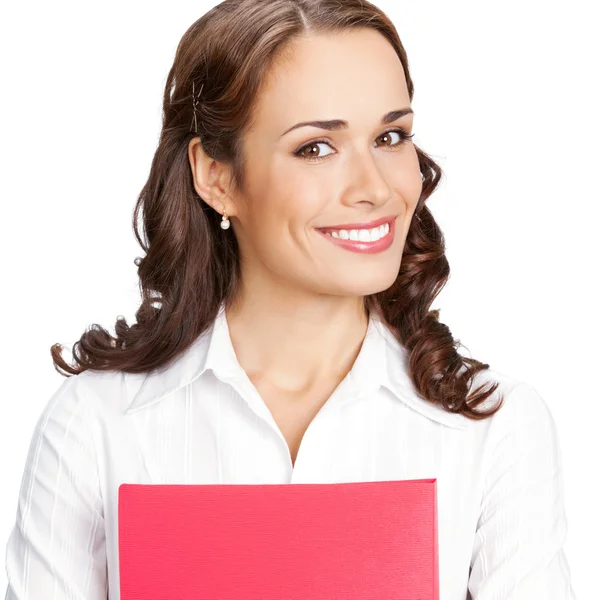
x,y
355,75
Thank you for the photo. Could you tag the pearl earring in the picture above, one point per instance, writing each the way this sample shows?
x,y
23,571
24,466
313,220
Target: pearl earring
x,y
225,221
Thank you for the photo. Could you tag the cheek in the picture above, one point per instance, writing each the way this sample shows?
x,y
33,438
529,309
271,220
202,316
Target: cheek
x,y
411,186
409,191
299,198
279,219
413,181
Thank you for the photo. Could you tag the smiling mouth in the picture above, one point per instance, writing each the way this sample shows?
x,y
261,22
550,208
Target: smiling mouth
x,y
360,226
361,235
366,241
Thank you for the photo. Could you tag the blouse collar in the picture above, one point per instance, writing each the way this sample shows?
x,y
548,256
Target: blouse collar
x,y
382,361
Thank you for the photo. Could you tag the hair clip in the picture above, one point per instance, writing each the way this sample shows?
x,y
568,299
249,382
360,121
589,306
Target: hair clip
x,y
195,100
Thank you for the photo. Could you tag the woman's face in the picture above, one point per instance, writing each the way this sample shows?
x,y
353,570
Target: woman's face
x,y
309,177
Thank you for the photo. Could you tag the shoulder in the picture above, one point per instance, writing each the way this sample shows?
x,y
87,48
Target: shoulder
x,y
521,401
522,432
93,392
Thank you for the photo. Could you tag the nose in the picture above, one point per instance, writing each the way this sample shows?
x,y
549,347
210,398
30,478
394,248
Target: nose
x,y
366,182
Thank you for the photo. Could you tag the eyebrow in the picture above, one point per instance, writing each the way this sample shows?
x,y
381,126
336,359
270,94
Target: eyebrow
x,y
339,124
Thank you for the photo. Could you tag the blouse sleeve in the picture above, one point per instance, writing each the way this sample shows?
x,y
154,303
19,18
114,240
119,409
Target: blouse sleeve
x,y
56,548
518,548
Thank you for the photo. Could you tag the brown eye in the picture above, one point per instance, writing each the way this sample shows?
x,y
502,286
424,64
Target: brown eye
x,y
309,152
388,136
385,136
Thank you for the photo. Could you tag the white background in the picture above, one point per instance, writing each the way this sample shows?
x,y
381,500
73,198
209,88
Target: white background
x,y
506,101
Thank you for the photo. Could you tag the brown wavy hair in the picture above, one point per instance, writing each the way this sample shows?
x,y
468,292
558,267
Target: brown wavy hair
x,y
191,266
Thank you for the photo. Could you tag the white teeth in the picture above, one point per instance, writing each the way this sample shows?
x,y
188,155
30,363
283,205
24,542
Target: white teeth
x,y
363,235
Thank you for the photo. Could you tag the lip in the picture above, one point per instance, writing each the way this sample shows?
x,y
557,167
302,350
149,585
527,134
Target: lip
x,y
365,247
370,225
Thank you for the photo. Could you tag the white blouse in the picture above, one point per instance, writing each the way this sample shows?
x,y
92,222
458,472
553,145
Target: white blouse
x,y
501,514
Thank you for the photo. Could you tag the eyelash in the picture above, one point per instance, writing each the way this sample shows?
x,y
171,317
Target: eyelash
x,y
403,134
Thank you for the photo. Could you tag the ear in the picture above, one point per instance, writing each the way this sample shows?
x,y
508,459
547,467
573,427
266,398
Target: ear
x,y
210,178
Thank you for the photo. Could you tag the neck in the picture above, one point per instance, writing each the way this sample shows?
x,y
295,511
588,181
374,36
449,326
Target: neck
x,y
297,347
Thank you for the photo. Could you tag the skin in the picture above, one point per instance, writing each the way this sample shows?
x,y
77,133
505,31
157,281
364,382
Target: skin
x,y
299,322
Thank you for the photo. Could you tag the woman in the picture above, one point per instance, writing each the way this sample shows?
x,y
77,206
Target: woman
x,y
285,332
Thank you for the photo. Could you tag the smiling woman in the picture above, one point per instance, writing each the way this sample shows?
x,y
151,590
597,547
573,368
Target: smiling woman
x,y
285,333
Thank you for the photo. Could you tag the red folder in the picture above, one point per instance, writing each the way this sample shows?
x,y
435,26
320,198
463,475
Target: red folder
x,y
374,540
